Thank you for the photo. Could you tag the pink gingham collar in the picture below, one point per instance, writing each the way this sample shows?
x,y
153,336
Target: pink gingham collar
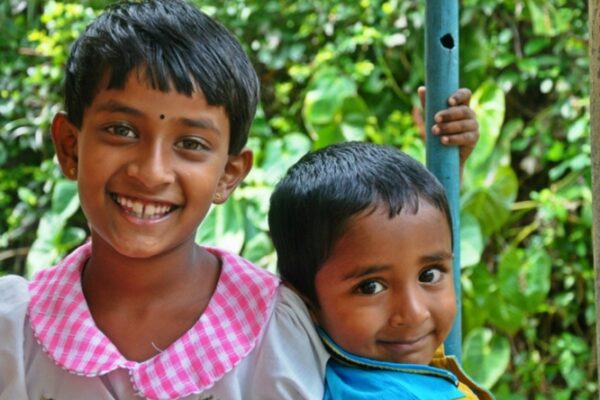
x,y
227,331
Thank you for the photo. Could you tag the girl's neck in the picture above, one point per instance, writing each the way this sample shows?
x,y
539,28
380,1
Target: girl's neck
x,y
139,302
110,275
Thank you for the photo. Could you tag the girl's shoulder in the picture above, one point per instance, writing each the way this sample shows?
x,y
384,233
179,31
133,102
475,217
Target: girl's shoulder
x,y
14,298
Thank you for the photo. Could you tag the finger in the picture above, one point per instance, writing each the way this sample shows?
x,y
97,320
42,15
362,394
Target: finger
x,y
465,139
460,97
455,127
421,91
454,114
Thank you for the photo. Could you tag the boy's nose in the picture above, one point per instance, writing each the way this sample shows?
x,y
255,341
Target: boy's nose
x,y
152,167
409,308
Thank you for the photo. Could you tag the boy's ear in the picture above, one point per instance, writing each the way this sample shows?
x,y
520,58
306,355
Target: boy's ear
x,y
64,137
238,166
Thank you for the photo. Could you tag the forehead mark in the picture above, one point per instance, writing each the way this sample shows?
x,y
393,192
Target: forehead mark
x,y
162,116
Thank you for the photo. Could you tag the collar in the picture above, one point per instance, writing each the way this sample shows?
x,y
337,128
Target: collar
x,y
353,360
226,332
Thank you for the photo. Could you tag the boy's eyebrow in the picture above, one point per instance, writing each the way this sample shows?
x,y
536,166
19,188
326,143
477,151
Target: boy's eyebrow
x,y
439,256
359,272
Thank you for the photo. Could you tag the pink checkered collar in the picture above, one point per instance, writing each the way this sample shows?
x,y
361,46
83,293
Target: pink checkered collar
x,y
226,332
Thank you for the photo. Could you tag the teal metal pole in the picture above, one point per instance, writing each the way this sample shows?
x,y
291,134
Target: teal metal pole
x,y
441,60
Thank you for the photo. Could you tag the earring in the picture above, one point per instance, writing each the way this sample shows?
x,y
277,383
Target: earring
x,y
218,197
72,172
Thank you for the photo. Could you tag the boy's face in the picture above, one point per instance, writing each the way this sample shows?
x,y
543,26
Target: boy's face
x,y
386,292
149,164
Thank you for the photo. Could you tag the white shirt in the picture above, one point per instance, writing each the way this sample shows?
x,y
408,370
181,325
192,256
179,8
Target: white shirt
x,y
288,361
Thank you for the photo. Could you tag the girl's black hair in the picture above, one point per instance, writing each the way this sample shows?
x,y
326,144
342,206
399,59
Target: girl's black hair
x,y
312,204
178,46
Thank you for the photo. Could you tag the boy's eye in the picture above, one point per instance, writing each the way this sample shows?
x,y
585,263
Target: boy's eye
x,y
121,130
191,144
369,287
431,275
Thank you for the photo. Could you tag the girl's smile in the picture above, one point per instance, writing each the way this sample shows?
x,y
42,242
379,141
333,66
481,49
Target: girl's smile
x,y
143,209
146,182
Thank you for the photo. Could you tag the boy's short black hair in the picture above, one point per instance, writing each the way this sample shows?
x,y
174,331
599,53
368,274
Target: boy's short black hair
x,y
312,204
177,45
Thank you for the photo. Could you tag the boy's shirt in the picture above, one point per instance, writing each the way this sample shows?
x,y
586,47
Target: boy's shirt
x,y
352,377
255,340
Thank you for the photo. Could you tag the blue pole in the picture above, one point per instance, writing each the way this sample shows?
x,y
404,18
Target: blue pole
x,y
441,60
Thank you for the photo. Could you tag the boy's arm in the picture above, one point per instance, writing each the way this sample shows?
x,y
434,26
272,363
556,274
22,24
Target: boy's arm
x,y
457,125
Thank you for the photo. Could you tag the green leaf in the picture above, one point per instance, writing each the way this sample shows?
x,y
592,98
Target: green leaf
x,y
471,240
485,356
488,103
524,277
65,200
491,202
223,227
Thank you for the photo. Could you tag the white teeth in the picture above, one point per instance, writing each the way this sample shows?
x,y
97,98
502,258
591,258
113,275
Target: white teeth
x,y
138,207
149,210
142,210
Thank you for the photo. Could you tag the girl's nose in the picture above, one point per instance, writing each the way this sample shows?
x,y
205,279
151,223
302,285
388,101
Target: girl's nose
x,y
152,166
410,307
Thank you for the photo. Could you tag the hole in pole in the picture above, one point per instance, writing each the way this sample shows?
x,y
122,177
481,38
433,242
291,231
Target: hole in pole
x,y
447,41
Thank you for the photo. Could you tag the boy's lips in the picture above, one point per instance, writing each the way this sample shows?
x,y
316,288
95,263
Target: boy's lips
x,y
403,343
143,209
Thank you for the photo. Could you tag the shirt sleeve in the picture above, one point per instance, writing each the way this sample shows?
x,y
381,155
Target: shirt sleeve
x,y
292,359
14,298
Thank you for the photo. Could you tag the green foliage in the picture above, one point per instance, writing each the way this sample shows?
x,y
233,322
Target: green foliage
x,y
331,71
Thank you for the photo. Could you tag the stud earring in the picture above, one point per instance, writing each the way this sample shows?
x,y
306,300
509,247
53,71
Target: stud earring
x,y
72,172
218,197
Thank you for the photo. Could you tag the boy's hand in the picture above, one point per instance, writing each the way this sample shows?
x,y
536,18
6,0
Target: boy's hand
x,y
457,124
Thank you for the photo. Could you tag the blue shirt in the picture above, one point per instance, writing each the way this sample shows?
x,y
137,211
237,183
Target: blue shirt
x,y
352,377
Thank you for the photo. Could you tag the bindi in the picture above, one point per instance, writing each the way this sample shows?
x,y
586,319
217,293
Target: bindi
x,y
162,116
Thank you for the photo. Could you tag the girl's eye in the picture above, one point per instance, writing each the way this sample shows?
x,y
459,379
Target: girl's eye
x,y
121,130
193,144
370,287
431,275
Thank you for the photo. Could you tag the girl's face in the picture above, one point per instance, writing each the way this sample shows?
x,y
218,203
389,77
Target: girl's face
x,y
148,165
386,292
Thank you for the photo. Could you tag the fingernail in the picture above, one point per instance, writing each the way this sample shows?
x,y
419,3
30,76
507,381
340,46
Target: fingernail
x,y
435,130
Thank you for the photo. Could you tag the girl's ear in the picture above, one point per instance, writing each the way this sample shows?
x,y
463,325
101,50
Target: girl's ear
x,y
236,169
64,137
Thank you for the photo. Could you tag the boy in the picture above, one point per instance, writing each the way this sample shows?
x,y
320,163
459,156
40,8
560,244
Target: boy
x,y
363,234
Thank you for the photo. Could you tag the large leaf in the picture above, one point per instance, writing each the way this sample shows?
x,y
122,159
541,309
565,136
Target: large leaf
x,y
223,227
471,240
491,202
489,106
524,277
485,356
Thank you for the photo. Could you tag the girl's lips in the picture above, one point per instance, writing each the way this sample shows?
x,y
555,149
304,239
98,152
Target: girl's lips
x,y
146,210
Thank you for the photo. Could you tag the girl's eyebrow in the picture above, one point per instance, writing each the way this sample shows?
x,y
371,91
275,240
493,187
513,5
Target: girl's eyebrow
x,y
360,272
116,106
202,123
